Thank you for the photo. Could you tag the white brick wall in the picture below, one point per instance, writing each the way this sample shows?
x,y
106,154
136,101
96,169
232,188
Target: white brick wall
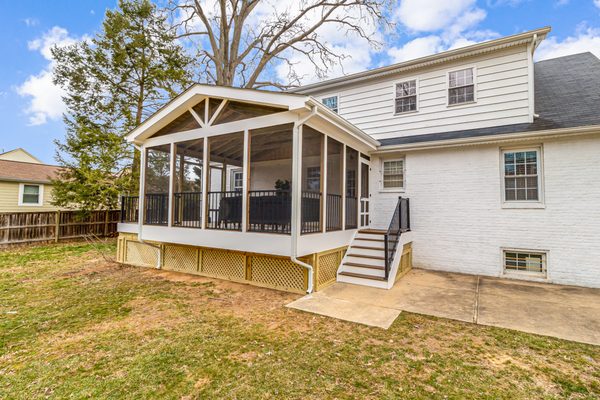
x,y
459,224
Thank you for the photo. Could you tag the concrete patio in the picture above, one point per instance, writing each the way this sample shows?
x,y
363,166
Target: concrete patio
x,y
566,312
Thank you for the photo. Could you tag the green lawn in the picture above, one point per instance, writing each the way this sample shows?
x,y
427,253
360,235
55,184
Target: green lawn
x,y
76,325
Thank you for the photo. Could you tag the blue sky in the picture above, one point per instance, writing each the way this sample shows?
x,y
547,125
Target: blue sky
x,y
30,105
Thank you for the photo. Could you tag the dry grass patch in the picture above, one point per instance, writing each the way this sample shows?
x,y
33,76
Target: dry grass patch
x,y
74,325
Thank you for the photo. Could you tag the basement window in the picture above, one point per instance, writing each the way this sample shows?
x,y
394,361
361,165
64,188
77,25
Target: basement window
x,y
525,262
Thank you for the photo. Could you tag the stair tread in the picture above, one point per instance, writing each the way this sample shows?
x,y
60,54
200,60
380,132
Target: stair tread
x,y
370,240
353,264
373,231
363,276
368,248
366,256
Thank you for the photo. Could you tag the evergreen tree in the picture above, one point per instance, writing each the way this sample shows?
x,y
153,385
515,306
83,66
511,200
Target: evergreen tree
x,y
112,83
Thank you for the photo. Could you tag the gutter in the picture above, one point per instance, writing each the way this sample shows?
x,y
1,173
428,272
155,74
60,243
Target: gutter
x,y
141,207
296,199
479,140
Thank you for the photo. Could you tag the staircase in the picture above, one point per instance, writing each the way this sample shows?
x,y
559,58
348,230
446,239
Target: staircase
x,y
370,257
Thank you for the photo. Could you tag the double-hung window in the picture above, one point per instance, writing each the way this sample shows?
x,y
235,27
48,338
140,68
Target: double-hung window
x,y
406,97
521,169
393,174
461,86
331,103
238,180
30,195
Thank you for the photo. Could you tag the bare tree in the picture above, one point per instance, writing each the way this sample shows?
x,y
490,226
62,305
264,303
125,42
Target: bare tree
x,y
238,40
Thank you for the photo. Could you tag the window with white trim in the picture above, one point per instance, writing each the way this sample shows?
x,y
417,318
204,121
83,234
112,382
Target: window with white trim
x,y
30,195
331,103
406,97
238,180
393,174
527,262
461,86
521,170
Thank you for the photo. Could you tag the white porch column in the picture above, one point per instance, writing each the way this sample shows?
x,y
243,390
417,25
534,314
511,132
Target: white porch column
x,y
142,193
171,184
296,181
343,187
205,168
246,176
324,211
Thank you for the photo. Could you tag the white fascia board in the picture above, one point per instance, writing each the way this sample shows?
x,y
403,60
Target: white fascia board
x,y
196,93
340,122
499,138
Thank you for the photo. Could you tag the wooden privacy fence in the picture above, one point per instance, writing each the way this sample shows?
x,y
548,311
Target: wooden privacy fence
x,y
28,227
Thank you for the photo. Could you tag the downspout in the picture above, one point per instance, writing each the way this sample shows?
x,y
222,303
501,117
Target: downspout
x,y
534,44
296,190
141,204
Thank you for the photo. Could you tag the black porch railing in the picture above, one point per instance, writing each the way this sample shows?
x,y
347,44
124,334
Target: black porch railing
x,y
310,213
270,211
224,210
187,209
351,212
156,208
334,212
400,223
130,208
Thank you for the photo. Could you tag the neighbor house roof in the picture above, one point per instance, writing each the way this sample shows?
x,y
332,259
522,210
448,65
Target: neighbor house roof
x,y
567,95
19,154
27,172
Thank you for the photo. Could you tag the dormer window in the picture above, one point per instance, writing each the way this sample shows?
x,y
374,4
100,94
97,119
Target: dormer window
x,y
461,87
406,97
331,103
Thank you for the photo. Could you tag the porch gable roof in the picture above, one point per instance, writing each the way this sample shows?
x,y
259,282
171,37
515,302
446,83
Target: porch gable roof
x,y
298,103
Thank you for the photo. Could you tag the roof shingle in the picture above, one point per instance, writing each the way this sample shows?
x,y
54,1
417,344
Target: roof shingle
x,y
27,172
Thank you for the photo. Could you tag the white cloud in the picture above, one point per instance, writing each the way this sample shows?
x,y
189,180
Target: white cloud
x,y
597,3
585,39
31,21
432,15
45,97
450,24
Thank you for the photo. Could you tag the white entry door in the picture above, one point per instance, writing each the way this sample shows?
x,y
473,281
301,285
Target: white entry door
x,y
364,194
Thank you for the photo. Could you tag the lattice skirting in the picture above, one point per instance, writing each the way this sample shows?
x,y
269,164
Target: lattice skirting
x,y
256,269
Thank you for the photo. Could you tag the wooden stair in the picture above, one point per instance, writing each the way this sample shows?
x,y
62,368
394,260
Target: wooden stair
x,y
364,262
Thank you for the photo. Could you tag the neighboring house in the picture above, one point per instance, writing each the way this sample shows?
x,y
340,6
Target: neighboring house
x,y
25,183
499,156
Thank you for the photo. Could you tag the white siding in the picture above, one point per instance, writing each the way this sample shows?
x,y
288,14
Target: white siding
x,y
459,225
502,93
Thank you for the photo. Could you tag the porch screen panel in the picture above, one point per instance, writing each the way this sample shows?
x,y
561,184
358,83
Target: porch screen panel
x,y
334,184
351,188
312,180
187,184
224,201
156,185
269,197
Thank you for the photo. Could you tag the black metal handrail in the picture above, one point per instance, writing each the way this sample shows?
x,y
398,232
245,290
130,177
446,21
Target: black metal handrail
x,y
156,208
224,210
187,209
270,211
130,208
400,223
311,212
334,212
351,212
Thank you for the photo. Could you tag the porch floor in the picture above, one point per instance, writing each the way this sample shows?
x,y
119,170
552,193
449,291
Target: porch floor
x,y
566,312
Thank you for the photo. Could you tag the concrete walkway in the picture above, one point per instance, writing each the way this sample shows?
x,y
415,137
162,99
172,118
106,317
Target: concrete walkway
x,y
565,312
